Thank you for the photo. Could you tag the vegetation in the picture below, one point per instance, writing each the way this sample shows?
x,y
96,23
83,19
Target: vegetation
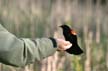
x,y
41,18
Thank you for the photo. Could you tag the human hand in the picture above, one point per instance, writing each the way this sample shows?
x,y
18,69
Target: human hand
x,y
63,45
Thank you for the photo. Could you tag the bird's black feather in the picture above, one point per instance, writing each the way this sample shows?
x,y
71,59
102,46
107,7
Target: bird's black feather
x,y
75,49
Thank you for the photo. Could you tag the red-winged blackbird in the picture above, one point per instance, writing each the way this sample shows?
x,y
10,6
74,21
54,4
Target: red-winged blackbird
x,y
71,36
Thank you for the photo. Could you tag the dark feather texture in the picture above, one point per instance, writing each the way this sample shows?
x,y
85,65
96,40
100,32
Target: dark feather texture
x,y
70,35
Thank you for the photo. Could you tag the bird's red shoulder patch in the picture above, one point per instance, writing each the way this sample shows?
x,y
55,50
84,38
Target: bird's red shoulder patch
x,y
73,32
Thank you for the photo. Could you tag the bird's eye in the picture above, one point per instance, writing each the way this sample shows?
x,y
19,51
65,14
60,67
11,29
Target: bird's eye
x,y
73,32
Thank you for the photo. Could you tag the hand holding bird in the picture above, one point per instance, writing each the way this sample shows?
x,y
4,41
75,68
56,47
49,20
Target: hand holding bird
x,y
63,45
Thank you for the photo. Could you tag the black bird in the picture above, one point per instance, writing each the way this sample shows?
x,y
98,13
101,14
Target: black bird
x,y
71,36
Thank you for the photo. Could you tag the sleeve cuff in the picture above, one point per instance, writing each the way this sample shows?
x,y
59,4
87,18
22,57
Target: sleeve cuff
x,y
54,42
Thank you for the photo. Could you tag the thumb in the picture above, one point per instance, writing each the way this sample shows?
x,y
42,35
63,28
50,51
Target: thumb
x,y
67,43
67,46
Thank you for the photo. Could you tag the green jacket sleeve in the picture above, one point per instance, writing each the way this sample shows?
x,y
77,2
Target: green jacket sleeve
x,y
22,51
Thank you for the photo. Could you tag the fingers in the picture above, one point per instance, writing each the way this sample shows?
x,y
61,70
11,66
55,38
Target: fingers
x,y
67,47
63,45
66,43
61,41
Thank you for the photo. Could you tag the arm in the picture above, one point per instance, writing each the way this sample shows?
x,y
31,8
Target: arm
x,y
20,52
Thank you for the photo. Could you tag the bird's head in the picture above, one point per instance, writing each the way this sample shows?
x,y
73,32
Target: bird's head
x,y
65,27
68,29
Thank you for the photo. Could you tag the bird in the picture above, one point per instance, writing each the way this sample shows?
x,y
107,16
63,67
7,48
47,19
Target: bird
x,y
71,36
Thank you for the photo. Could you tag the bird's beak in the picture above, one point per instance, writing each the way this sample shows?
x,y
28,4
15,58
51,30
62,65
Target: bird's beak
x,y
73,32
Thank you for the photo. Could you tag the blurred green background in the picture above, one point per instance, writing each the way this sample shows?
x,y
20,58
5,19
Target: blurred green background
x,y
41,18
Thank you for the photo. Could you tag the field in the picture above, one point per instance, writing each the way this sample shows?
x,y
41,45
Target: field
x,y
42,18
